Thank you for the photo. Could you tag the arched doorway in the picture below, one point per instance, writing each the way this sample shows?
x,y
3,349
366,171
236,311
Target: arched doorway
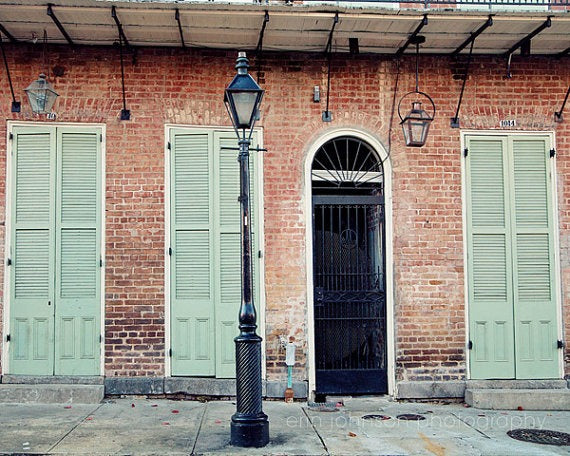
x,y
349,268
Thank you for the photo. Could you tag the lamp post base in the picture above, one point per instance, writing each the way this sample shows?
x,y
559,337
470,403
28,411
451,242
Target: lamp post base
x,y
249,433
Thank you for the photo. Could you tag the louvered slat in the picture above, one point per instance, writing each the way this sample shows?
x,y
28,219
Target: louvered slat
x,y
79,178
489,267
78,263
487,183
33,177
192,262
32,264
533,267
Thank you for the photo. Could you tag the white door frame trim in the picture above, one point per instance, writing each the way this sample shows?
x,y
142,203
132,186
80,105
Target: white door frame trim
x,y
384,157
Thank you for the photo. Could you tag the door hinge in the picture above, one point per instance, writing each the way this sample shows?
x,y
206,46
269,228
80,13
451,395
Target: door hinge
x,y
101,138
552,152
560,344
9,262
100,262
169,251
11,136
259,254
7,337
465,152
169,146
100,338
470,345
170,352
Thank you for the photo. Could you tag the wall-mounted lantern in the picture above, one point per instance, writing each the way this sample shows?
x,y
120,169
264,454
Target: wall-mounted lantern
x,y
41,95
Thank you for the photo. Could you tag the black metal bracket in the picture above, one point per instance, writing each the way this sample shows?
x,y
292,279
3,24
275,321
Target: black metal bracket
x,y
552,153
125,113
558,115
465,152
8,34
563,53
259,48
560,344
327,115
412,37
16,105
524,44
473,36
177,17
470,345
455,119
526,40
255,149
122,35
55,20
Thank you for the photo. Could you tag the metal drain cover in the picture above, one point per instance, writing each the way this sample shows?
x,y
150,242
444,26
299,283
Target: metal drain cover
x,y
376,417
543,436
411,417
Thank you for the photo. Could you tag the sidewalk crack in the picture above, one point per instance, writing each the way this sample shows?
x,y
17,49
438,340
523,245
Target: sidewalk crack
x,y
199,428
74,427
471,426
315,429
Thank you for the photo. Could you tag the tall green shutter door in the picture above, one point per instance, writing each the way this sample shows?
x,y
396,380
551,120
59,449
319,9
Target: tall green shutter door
x,y
55,281
206,176
32,252
489,253
193,266
512,305
533,252
78,283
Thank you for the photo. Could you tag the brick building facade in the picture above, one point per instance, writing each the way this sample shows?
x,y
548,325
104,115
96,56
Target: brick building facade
x,y
426,335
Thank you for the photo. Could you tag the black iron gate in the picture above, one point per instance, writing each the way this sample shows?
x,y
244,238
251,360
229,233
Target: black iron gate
x,y
349,294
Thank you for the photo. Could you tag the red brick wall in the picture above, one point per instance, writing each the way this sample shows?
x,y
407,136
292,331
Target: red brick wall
x,y
186,87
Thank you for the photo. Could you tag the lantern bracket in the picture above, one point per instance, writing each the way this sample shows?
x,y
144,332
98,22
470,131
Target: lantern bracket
x,y
473,36
119,26
423,94
558,115
412,38
327,115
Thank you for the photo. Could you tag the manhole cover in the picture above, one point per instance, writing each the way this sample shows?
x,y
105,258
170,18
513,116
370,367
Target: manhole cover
x,y
411,417
543,436
376,417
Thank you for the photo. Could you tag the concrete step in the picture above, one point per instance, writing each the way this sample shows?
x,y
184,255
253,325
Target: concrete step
x,y
513,399
517,384
51,394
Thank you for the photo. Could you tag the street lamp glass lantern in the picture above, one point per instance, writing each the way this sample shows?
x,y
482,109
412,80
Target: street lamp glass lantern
x,y
415,125
41,95
243,96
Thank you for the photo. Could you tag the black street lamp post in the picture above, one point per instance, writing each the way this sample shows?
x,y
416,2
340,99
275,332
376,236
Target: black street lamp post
x,y
249,426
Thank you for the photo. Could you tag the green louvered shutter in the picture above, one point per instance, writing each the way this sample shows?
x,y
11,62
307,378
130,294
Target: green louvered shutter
x,y
78,238
192,260
228,245
32,251
533,258
489,259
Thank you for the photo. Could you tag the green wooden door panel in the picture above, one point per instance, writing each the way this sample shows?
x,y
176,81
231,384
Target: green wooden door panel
x,y
512,302
78,279
32,251
533,258
489,265
206,258
192,265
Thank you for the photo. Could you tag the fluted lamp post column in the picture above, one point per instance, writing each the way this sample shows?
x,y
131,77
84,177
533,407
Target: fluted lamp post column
x,y
249,426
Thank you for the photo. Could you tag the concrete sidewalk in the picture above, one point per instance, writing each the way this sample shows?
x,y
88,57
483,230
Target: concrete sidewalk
x,y
161,427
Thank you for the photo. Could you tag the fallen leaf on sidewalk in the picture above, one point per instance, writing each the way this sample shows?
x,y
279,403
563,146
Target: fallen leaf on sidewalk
x,y
175,411
89,418
132,405
165,423
520,407
218,421
154,405
67,407
466,405
351,434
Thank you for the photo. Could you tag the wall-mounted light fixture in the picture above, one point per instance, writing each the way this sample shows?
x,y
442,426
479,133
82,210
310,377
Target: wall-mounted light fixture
x,y
416,123
41,95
